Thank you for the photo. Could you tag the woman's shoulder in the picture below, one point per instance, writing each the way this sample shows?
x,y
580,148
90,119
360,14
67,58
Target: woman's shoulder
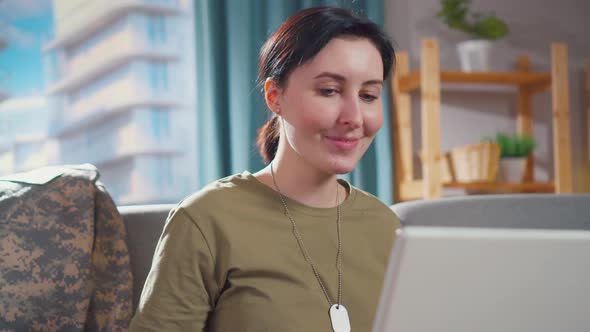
x,y
366,200
369,204
219,193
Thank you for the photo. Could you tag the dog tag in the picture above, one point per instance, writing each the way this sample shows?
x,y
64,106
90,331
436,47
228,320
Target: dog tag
x,y
339,318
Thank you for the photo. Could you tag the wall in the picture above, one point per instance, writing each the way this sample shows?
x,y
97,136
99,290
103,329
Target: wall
x,y
534,24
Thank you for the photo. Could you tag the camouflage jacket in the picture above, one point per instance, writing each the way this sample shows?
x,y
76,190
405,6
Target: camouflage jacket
x,y
64,262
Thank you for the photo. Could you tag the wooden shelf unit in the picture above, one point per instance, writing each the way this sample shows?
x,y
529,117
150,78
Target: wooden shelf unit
x,y
588,105
428,81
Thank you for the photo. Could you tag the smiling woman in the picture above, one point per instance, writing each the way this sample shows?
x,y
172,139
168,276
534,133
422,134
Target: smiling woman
x,y
329,118
255,252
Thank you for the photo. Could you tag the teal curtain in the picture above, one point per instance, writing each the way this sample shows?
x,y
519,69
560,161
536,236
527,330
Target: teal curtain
x,y
230,107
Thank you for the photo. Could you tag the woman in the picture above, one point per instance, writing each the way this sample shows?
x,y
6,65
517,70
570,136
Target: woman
x,y
289,248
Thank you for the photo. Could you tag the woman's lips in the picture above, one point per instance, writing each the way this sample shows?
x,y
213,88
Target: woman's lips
x,y
343,143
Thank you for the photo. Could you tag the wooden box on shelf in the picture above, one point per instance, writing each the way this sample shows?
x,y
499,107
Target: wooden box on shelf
x,y
475,162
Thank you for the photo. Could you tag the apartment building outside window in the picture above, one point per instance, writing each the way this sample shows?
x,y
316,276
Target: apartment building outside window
x,y
119,82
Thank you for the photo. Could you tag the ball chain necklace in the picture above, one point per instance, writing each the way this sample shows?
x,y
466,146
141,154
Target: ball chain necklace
x,y
337,313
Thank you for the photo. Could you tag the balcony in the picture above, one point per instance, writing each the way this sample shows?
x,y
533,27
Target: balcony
x,y
145,190
109,55
33,154
109,144
96,14
136,182
121,96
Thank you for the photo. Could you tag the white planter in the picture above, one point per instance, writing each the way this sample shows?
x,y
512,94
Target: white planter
x,y
511,169
474,55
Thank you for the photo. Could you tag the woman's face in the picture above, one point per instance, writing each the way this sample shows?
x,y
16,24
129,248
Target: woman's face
x,y
331,106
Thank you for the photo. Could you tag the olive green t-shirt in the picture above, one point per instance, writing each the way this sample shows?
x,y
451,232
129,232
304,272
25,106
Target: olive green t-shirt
x,y
228,261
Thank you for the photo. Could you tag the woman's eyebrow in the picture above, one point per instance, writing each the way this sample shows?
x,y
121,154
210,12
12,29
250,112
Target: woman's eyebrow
x,y
371,82
334,76
341,78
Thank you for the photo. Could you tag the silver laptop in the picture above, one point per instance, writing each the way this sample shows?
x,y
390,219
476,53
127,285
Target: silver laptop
x,y
486,280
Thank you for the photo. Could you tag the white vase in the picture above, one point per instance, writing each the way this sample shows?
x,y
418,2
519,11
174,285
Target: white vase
x,y
474,55
511,169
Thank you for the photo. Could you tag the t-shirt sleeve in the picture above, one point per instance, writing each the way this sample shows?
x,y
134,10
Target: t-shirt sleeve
x,y
180,289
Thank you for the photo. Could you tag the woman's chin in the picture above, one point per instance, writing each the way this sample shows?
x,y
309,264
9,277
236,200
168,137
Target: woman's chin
x,y
342,172
342,167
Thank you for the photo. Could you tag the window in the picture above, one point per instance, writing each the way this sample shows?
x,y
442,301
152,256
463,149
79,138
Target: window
x,y
160,121
159,76
163,172
119,110
156,25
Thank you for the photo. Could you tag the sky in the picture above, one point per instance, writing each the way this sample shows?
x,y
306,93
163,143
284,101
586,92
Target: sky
x,y
26,24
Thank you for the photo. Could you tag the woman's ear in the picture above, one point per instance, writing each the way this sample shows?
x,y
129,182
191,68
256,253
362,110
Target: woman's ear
x,y
272,93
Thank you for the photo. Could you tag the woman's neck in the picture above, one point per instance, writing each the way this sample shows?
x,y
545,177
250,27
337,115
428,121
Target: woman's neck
x,y
302,182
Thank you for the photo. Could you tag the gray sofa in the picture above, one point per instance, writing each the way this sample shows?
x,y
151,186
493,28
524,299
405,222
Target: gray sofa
x,y
145,223
144,226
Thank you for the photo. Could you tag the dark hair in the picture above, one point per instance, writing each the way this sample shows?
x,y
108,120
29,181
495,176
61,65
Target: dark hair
x,y
300,38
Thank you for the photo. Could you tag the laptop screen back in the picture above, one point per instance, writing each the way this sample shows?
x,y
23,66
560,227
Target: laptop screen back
x,y
486,280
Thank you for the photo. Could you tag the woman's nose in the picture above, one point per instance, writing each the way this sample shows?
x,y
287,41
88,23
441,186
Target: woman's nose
x,y
351,114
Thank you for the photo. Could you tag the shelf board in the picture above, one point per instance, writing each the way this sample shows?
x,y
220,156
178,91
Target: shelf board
x,y
529,187
536,81
488,88
411,190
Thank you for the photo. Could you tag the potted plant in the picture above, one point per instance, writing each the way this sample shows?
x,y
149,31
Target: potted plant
x,y
514,151
474,54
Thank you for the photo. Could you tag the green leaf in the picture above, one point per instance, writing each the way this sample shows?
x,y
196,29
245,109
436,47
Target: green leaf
x,y
515,145
457,15
490,28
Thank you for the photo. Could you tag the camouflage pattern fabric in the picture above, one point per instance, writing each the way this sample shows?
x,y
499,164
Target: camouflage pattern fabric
x,y
64,262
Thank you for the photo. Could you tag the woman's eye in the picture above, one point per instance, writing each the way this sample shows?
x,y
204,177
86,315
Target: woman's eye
x,y
368,97
328,92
